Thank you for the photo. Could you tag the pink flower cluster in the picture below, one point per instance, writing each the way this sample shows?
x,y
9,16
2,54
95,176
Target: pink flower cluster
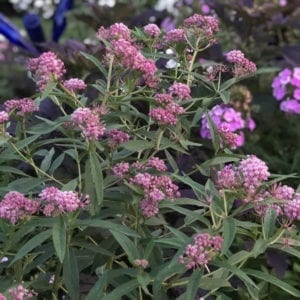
x,y
152,30
74,84
209,25
15,207
117,137
227,120
249,174
55,201
127,53
248,178
89,123
286,88
169,110
174,36
204,249
4,117
242,65
20,106
227,137
155,187
21,293
45,68
253,171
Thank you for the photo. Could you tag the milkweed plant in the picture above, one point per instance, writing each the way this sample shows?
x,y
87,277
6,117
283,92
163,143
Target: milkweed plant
x,y
100,200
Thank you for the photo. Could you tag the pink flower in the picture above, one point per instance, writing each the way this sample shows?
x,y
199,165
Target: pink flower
x,y
115,31
46,68
242,65
174,35
292,208
21,293
204,249
157,164
181,90
227,178
21,106
228,137
121,169
142,263
88,121
152,30
208,24
4,117
56,201
117,137
74,84
254,171
15,206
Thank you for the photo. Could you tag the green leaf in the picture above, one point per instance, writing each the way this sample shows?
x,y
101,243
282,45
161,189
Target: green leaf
x,y
213,132
273,280
36,241
46,163
48,89
7,169
59,237
137,145
193,284
213,283
236,271
71,274
127,245
97,290
107,225
94,182
122,290
269,222
229,231
96,62
259,247
225,96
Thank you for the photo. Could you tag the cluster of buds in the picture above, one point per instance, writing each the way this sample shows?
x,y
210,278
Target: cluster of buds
x,y
204,249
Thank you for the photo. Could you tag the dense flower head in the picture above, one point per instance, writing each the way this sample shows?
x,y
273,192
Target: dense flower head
x,y
45,68
4,117
156,188
121,169
117,137
20,106
74,84
292,208
21,293
88,121
152,29
227,120
163,116
228,137
163,98
2,297
55,201
180,90
226,178
157,164
254,171
286,88
202,251
208,24
115,31
15,207
242,65
174,35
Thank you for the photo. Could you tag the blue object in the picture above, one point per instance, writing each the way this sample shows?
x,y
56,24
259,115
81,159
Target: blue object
x,y
14,36
32,24
59,19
